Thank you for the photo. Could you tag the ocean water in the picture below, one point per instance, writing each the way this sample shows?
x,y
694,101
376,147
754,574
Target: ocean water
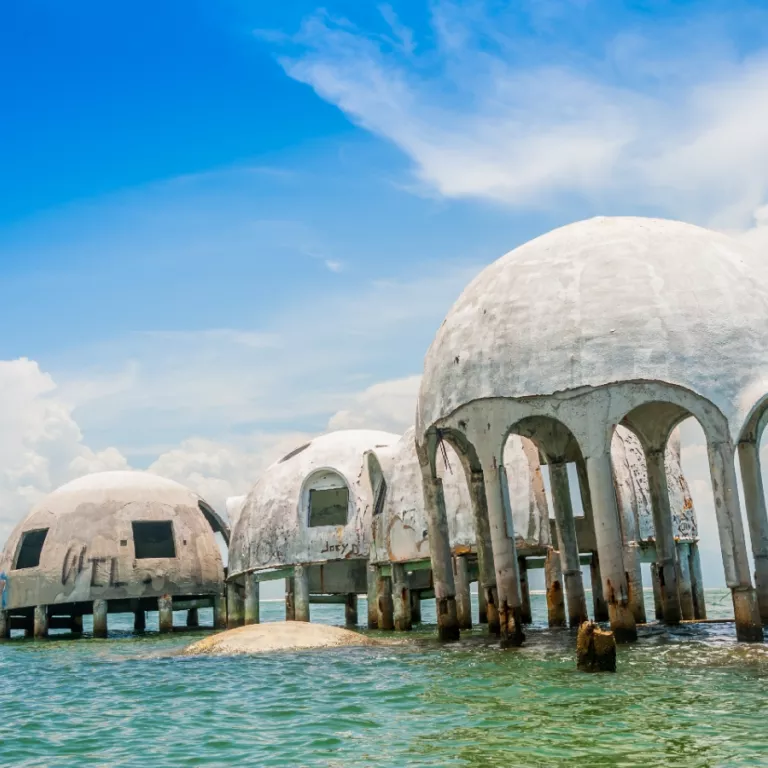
x,y
689,697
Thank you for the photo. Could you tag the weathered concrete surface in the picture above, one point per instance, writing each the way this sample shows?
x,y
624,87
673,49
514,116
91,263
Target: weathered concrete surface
x,y
277,636
88,553
625,299
272,528
595,649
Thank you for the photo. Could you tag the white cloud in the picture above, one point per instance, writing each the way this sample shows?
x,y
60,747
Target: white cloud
x,y
671,122
41,445
389,406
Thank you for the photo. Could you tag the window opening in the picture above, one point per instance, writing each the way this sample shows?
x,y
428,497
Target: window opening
x,y
153,539
328,506
30,548
381,493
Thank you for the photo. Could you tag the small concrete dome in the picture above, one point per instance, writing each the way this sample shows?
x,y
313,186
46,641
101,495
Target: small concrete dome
x,y
113,536
311,506
603,301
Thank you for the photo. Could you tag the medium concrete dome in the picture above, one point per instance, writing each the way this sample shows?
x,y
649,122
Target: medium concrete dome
x,y
113,536
275,526
603,301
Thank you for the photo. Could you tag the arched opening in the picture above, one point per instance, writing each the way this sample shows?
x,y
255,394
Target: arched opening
x,y
546,503
325,499
679,558
752,452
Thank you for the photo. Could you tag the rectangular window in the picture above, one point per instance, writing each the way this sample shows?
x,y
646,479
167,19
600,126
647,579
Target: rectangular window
x,y
30,547
153,539
328,506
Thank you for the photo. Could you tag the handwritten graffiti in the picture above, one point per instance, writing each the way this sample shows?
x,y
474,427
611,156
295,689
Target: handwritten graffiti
x,y
343,549
3,590
267,552
76,561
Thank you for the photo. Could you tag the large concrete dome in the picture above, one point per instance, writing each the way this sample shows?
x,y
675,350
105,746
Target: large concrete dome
x,y
113,536
602,301
275,526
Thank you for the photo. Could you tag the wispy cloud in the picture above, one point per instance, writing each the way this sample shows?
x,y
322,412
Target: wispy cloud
x,y
676,122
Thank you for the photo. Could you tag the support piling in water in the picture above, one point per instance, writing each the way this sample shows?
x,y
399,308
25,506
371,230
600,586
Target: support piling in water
x,y
193,618
350,610
251,603
100,618
525,591
553,579
385,619
76,624
415,606
290,600
5,625
685,582
482,609
235,607
139,620
699,604
41,622
165,613
595,649
301,592
401,598
658,605
373,611
463,595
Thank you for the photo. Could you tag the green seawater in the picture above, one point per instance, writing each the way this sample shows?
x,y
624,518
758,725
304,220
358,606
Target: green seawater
x,y
689,697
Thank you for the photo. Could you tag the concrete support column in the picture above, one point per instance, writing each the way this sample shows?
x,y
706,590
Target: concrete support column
x,y
733,546
139,620
658,604
350,610
99,618
487,595
384,604
599,606
219,611
699,604
165,613
482,607
553,579
76,625
251,607
463,596
630,536
193,618
373,611
504,557
401,598
235,607
609,547
757,519
41,621
442,565
415,606
684,581
666,556
5,625
568,544
525,591
290,601
301,592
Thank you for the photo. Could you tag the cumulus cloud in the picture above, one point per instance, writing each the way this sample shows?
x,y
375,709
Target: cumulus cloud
x,y
41,445
672,120
389,406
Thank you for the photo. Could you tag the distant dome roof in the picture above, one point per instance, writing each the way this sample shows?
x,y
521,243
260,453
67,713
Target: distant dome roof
x,y
271,528
88,545
602,301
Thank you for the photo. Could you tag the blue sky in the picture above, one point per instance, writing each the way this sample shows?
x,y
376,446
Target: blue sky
x,y
228,225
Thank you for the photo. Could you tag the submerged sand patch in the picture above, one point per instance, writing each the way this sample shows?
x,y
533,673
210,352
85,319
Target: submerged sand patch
x,y
278,636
